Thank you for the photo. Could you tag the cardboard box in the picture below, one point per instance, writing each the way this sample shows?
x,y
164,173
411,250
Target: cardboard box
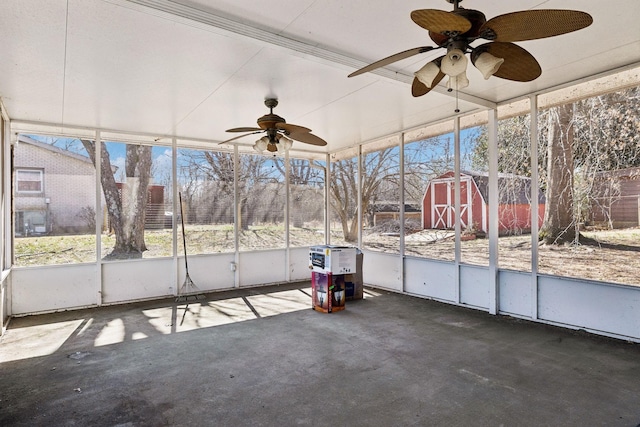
x,y
354,285
332,259
327,292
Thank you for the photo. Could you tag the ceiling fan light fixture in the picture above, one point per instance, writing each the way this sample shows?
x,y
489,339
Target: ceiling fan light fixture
x,y
427,74
487,64
261,144
458,82
454,63
285,142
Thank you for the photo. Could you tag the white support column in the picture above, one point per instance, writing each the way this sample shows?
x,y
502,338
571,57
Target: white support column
x,y
236,215
402,205
327,202
534,204
360,223
494,222
8,238
174,215
5,235
99,216
456,202
287,213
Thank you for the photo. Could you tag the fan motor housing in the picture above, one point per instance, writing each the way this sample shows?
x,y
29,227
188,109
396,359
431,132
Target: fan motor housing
x,y
477,20
269,121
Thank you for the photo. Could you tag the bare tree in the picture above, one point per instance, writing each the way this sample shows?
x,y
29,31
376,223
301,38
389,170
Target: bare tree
x,y
209,184
425,160
377,169
579,143
126,211
302,177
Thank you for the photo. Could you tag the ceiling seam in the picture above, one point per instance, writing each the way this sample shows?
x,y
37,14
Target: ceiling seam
x,y
171,9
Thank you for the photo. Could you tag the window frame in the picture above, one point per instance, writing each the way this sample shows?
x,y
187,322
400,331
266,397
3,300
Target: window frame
x,y
29,170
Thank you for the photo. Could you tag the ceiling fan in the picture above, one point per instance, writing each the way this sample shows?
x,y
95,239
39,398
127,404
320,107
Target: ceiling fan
x,y
455,31
279,133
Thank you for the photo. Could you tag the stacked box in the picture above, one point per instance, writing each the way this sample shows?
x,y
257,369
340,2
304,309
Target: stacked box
x,y
354,284
332,259
327,292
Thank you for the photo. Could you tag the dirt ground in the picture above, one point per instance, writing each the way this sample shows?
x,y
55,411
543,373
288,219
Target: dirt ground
x,y
611,255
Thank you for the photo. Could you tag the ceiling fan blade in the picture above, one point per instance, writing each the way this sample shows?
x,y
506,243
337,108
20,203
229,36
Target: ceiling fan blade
x,y
440,21
243,129
534,24
292,128
391,59
239,136
308,138
519,65
418,88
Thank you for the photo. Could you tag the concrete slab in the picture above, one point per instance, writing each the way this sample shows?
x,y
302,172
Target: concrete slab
x,y
263,357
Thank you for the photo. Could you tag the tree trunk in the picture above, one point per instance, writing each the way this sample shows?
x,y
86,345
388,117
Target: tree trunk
x,y
135,194
559,225
125,219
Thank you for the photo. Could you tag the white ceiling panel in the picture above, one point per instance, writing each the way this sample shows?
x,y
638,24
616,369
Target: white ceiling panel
x,y
32,46
136,71
194,68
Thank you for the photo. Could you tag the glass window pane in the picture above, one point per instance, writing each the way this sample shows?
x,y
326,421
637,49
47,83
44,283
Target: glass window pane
x,y
306,223
262,199
514,188
205,182
136,186
381,200
592,181
428,164
344,202
474,197
54,224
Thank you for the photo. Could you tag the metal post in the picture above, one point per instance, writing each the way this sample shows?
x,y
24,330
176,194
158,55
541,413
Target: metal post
x,y
534,204
360,222
327,204
456,202
287,212
494,221
174,215
402,206
237,212
99,216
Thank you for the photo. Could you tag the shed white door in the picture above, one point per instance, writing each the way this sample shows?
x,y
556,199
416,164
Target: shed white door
x,y
443,203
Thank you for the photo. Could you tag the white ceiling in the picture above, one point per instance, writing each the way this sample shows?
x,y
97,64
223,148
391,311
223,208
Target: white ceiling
x,y
193,68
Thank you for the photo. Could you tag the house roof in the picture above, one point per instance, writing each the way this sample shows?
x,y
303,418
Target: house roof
x,y
513,189
24,139
153,70
632,173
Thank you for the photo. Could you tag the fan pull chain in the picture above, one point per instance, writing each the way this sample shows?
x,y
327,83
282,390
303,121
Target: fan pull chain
x,y
457,110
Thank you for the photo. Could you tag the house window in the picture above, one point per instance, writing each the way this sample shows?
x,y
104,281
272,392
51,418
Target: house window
x,y
29,181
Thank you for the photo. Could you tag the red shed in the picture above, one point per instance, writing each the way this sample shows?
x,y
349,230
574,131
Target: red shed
x,y
514,210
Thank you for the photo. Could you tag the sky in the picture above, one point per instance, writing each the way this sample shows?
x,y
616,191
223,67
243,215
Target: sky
x,y
162,155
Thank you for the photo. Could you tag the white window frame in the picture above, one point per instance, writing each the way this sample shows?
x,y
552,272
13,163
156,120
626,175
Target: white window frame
x,y
40,172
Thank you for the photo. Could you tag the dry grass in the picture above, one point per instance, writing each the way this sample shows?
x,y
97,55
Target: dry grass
x,y
609,255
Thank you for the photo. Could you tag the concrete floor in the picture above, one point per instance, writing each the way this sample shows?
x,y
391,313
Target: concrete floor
x,y
263,357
